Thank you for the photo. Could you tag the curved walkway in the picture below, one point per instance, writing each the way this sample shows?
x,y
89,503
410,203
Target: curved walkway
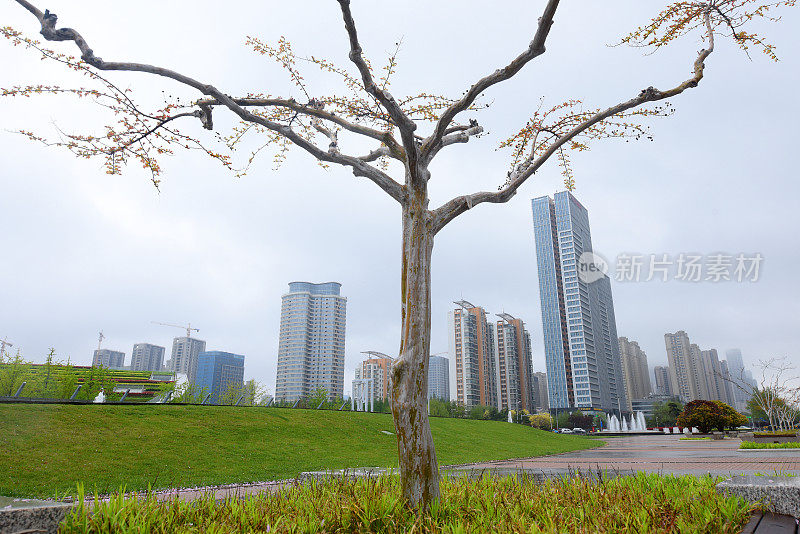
x,y
660,454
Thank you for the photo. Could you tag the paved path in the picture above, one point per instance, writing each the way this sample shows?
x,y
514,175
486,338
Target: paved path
x,y
662,454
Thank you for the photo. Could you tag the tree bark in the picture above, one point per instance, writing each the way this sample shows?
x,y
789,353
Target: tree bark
x,y
419,470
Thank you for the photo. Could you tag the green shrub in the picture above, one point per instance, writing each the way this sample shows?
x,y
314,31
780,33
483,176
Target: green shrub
x,y
754,445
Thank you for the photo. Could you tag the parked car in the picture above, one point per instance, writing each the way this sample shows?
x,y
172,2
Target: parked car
x,y
578,431
565,431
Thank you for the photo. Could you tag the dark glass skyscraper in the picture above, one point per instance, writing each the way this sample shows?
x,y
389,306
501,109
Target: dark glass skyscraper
x,y
578,322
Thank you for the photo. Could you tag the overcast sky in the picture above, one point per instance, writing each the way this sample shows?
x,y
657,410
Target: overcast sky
x,y
83,251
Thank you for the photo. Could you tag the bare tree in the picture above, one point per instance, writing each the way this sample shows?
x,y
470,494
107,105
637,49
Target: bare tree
x,y
777,394
371,112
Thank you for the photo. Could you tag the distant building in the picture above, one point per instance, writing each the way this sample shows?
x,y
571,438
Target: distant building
x,y
540,391
378,368
184,356
712,370
647,404
514,368
739,376
697,374
727,383
109,358
578,321
439,378
634,370
311,341
662,380
218,372
147,357
682,367
472,345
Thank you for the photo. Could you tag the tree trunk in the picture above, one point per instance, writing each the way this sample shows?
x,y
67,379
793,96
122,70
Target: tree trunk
x,y
419,471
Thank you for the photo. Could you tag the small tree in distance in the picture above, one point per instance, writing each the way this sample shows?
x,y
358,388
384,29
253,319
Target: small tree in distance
x,y
392,124
707,415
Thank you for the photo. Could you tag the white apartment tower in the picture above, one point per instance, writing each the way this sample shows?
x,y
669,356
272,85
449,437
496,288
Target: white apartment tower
x,y
184,356
112,359
147,357
311,341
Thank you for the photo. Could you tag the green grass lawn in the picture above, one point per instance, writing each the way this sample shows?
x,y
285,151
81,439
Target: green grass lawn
x,y
46,449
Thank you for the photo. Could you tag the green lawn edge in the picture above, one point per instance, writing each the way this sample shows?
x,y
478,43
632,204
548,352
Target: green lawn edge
x,y
46,450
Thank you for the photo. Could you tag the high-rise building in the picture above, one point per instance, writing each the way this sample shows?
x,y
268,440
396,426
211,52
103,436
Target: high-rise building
x,y
311,341
472,344
696,373
439,378
378,368
540,391
112,359
728,383
635,370
514,368
218,372
715,384
578,322
682,367
662,381
738,375
147,357
184,356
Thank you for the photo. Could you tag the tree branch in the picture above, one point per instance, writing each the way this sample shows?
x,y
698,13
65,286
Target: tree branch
x,y
376,154
383,136
535,49
455,207
462,134
400,119
48,21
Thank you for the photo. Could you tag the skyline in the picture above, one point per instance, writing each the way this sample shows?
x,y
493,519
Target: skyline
x,y
208,248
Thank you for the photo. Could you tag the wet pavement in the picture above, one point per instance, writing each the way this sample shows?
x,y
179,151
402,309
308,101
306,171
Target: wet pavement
x,y
661,454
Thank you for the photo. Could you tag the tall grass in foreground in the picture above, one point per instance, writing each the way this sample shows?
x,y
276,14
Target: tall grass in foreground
x,y
641,503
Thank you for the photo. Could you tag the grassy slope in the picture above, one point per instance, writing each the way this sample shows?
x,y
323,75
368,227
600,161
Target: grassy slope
x,y
49,448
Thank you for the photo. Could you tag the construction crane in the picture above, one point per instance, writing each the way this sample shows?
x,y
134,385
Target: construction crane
x,y
100,339
188,327
3,344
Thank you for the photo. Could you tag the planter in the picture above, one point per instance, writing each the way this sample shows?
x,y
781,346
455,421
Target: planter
x,y
771,439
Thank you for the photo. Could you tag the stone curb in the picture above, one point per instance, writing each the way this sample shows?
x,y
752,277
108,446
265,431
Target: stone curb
x,y
39,519
780,494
